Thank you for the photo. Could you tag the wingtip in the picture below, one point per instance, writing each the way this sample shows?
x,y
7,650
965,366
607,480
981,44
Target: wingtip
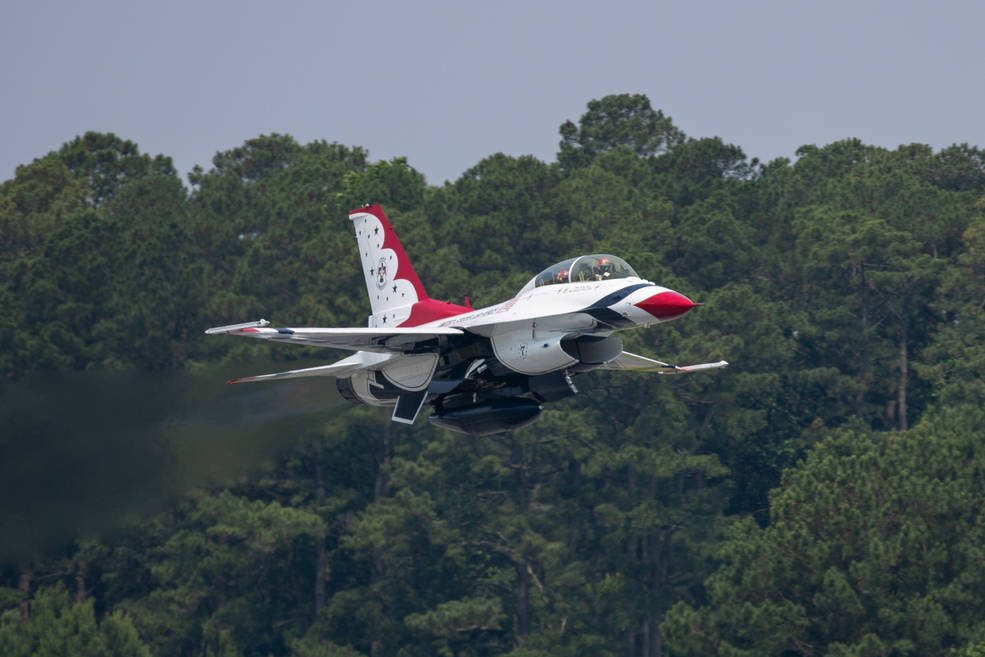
x,y
233,328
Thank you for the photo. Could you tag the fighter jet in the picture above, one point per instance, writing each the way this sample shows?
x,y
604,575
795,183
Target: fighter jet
x,y
487,370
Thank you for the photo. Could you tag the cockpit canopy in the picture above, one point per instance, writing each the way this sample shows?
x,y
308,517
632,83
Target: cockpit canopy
x,y
595,267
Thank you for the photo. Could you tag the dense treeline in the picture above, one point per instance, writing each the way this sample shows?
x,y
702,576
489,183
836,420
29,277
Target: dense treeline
x,y
822,496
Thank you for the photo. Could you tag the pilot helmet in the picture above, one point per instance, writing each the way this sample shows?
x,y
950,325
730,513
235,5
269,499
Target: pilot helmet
x,y
604,266
562,276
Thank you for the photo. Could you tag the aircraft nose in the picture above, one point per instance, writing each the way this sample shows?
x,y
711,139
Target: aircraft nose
x,y
666,305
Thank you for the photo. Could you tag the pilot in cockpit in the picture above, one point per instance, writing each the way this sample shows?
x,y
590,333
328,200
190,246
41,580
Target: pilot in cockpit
x,y
562,276
603,269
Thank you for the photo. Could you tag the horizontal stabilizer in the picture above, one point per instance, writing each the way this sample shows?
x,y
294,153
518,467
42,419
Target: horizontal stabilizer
x,y
703,366
635,363
345,367
352,339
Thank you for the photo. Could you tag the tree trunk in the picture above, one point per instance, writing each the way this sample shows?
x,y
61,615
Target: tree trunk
x,y
24,584
521,620
521,501
864,377
321,561
904,369
81,570
657,643
381,490
381,487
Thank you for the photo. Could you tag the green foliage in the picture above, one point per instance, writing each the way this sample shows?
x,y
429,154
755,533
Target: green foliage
x,y
314,648
227,577
34,204
972,650
107,164
875,542
617,120
394,184
955,358
54,626
637,518
98,265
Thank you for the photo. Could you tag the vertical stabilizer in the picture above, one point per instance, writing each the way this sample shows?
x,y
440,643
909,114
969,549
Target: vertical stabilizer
x,y
395,292
391,281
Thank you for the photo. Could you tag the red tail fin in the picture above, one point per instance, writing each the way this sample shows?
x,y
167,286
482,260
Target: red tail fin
x,y
396,294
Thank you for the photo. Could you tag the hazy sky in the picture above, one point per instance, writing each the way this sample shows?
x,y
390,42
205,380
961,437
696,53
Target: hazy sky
x,y
448,83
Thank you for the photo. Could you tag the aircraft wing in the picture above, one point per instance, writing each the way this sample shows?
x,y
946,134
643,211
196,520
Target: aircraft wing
x,y
635,363
351,339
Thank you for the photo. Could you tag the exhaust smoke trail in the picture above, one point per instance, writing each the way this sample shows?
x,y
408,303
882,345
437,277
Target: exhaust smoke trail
x,y
81,453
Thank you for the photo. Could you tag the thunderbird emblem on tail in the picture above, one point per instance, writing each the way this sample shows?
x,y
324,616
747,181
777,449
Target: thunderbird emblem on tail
x,y
487,370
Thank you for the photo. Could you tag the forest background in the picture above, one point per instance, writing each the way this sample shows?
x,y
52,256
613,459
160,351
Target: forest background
x,y
821,496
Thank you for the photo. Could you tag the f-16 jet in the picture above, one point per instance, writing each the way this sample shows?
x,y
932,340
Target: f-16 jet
x,y
486,370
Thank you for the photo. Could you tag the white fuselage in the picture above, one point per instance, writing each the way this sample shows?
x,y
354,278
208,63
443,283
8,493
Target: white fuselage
x,y
526,331
558,306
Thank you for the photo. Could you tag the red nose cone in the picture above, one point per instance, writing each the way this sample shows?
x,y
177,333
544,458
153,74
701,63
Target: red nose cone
x,y
666,305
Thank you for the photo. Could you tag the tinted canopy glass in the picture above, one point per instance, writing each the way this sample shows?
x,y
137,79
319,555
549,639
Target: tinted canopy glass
x,y
595,267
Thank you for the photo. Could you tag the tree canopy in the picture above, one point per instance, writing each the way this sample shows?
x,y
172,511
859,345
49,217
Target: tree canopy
x,y
822,496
